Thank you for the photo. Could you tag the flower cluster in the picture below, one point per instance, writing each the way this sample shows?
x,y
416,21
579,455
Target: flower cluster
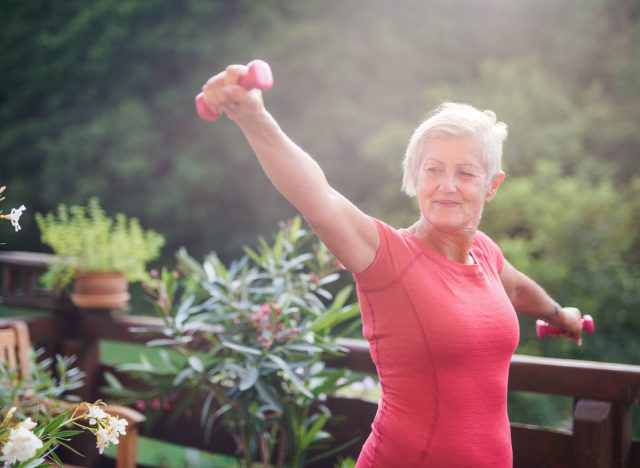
x,y
156,404
267,322
108,428
15,214
22,441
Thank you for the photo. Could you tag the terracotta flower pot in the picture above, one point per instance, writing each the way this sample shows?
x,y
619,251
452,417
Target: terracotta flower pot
x,y
100,290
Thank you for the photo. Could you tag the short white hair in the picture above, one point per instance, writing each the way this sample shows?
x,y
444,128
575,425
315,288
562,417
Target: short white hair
x,y
452,119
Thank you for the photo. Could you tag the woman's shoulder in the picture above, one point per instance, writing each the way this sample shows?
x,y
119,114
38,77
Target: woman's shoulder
x,y
489,248
393,238
394,252
481,238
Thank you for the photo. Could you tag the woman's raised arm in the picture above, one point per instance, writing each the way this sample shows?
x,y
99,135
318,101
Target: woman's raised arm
x,y
348,232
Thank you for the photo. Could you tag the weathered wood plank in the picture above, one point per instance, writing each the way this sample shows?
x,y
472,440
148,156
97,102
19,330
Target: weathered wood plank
x,y
581,379
634,456
540,447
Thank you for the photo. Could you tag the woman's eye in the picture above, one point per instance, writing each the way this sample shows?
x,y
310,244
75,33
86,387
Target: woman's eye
x,y
467,174
434,170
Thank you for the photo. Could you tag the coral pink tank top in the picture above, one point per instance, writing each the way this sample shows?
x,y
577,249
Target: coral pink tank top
x,y
441,335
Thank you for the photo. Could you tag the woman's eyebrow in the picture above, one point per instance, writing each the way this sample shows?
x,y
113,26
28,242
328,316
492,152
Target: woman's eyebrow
x,y
430,158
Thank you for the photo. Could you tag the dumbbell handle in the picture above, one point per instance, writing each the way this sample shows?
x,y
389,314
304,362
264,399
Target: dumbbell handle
x,y
543,328
259,76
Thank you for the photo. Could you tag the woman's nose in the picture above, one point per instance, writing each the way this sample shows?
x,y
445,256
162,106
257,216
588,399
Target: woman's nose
x,y
448,183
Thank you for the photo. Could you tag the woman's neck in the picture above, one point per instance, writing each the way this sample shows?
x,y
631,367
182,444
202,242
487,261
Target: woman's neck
x,y
454,246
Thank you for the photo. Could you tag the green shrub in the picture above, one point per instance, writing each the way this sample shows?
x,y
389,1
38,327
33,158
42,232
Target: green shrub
x,y
86,239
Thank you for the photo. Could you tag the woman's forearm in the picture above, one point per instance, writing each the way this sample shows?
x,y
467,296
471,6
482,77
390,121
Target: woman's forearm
x,y
532,300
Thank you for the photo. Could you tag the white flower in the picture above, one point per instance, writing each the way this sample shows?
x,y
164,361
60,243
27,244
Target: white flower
x,y
22,445
14,216
95,413
118,426
102,439
28,424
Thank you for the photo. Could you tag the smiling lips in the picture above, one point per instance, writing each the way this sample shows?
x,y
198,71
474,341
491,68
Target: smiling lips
x,y
446,203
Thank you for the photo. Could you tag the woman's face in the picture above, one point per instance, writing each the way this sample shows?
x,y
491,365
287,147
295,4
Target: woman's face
x,y
453,184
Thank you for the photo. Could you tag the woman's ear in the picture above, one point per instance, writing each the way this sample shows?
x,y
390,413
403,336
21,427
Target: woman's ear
x,y
494,185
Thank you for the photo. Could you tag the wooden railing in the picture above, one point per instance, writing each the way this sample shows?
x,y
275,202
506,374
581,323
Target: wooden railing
x,y
603,393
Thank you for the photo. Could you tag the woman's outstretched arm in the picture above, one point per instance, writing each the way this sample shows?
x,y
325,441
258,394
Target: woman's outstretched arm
x,y
348,232
529,298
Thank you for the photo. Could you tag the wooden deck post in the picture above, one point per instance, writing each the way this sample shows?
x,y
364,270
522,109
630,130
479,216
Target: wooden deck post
x,y
593,434
622,435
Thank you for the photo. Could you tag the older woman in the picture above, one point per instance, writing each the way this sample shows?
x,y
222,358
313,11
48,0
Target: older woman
x,y
438,299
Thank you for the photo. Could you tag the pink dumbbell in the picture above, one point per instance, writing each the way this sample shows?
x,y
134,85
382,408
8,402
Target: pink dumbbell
x,y
259,77
543,328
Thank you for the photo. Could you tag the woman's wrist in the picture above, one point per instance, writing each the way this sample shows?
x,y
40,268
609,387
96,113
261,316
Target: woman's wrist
x,y
253,122
556,316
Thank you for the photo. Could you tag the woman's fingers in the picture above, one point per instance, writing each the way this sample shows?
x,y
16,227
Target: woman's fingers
x,y
224,93
215,92
234,73
574,323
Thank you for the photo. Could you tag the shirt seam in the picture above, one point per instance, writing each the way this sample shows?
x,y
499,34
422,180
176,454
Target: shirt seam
x,y
379,370
425,451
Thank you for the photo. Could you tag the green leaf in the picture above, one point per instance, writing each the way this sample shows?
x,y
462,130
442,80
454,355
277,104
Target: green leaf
x,y
334,317
54,455
241,349
196,364
113,381
294,229
186,260
329,279
249,379
69,433
333,451
306,348
268,396
34,463
277,246
252,253
182,376
290,374
56,422
183,311
341,297
310,435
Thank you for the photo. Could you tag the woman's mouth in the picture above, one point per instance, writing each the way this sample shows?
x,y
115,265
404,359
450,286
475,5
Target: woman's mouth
x,y
446,203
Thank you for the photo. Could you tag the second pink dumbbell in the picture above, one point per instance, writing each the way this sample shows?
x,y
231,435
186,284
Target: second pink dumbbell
x,y
543,328
259,76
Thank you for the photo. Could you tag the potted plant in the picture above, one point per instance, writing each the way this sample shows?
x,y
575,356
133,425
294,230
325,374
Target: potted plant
x,y
102,253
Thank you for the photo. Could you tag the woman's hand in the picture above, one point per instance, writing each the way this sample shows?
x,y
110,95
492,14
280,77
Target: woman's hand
x,y
570,320
223,93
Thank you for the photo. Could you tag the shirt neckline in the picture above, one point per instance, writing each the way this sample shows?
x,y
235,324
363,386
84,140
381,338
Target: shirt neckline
x,y
461,268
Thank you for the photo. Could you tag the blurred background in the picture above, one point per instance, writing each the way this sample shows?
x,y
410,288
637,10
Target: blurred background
x,y
96,99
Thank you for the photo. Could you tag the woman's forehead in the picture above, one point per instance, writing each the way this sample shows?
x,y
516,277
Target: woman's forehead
x,y
454,150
